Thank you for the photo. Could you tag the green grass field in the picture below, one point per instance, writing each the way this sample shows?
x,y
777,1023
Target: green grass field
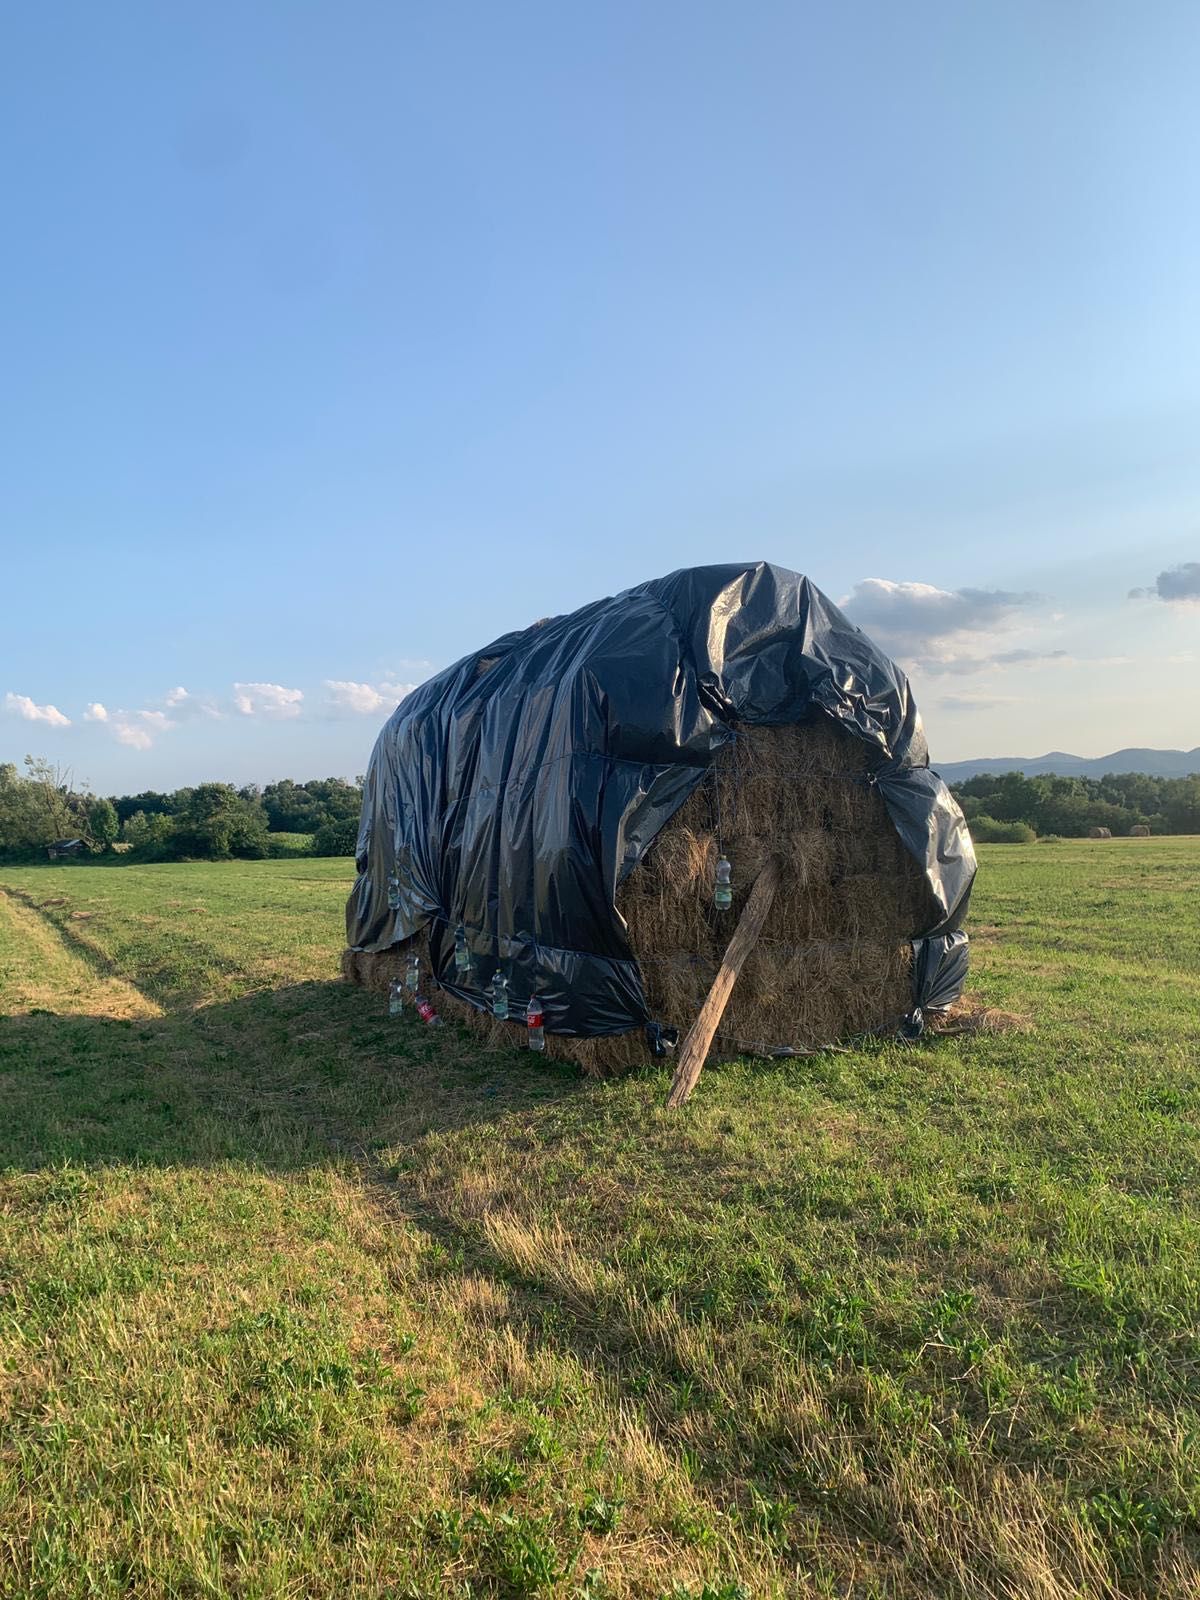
x,y
300,1302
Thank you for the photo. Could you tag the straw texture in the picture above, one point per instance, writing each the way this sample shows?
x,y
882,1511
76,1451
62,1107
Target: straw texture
x,y
833,959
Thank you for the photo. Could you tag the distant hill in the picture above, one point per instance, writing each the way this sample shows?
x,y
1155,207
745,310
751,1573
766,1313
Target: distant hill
x,y
1155,763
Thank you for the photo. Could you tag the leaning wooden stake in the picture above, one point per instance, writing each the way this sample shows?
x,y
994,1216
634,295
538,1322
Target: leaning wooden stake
x,y
700,1034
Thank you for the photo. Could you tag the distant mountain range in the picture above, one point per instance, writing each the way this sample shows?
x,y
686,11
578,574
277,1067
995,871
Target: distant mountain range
x,y
1155,763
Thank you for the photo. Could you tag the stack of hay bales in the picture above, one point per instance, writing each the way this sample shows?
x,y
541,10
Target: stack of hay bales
x,y
834,958
551,811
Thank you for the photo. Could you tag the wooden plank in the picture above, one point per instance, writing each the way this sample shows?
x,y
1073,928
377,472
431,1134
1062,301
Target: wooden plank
x,y
700,1035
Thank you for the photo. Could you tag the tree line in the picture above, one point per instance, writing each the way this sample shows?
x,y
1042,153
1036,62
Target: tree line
x,y
43,806
1009,807
217,821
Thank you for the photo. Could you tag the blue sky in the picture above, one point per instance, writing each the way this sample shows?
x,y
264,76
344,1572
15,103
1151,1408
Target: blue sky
x,y
338,339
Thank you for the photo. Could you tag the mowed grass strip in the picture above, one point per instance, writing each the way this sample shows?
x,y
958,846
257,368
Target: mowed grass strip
x,y
303,1302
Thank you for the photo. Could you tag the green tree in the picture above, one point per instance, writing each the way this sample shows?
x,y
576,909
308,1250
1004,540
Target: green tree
x,y
38,807
304,807
149,802
217,822
150,835
102,823
336,838
1182,806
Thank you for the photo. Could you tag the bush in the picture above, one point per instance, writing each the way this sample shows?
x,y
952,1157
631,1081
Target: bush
x,y
336,838
285,846
986,830
149,835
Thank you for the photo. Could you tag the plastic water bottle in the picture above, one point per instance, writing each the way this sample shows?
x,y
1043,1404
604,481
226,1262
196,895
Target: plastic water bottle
x,y
462,956
427,1013
395,998
393,888
412,978
535,1025
500,996
723,893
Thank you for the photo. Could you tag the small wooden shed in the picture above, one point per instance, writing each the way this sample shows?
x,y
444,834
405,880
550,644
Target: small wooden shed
x,y
65,847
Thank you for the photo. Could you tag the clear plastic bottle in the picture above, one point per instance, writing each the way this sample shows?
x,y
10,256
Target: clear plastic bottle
x,y
723,893
395,998
535,1025
412,977
426,1012
500,996
462,956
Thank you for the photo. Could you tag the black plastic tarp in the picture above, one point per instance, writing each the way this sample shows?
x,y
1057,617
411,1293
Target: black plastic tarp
x,y
513,792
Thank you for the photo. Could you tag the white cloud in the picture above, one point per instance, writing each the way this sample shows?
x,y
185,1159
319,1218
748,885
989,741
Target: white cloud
x,y
917,620
139,729
267,700
96,713
346,698
22,706
183,704
946,630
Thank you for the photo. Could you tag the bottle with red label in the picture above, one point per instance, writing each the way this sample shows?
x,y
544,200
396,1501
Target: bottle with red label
x,y
535,1025
427,1013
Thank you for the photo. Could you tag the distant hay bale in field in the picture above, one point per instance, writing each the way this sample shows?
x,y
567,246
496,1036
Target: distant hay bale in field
x,y
1099,833
1139,831
834,958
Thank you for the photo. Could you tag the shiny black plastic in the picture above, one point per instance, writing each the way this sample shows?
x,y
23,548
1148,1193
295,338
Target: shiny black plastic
x,y
939,972
515,791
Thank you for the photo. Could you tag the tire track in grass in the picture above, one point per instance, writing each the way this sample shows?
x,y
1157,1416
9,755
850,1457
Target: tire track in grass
x,y
40,972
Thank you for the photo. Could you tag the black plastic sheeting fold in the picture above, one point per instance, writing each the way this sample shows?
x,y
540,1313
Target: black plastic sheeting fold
x,y
514,791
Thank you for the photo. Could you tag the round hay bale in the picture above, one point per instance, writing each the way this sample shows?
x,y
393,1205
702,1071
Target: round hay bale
x,y
834,958
1099,833
1139,831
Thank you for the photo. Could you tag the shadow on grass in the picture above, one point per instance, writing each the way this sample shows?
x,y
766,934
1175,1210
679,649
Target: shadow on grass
x,y
316,1073
279,1080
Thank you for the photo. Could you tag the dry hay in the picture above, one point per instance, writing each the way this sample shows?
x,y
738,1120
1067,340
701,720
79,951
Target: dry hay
x,y
1099,833
970,1016
834,958
1139,831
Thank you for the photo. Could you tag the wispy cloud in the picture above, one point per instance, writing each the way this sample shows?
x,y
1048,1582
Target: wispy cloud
x,y
267,700
20,705
1176,585
978,702
139,729
182,704
347,698
1002,658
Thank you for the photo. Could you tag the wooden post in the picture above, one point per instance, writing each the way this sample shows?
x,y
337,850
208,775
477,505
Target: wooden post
x,y
700,1035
